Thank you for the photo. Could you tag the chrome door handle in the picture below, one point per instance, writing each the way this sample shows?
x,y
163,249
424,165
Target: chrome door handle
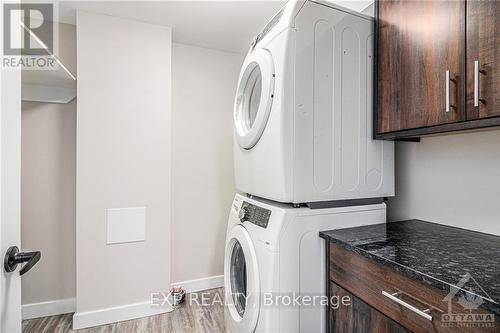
x,y
422,313
476,83
447,91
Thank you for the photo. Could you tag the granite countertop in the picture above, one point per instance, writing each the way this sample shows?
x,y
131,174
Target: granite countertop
x,y
444,257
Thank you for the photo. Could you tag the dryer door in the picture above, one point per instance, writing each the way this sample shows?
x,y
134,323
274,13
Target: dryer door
x,y
253,97
241,280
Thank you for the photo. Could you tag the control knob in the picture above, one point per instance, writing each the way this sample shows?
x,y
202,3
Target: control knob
x,y
244,214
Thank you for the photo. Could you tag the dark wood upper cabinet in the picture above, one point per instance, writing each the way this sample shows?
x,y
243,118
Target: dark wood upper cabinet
x,y
425,66
483,59
420,48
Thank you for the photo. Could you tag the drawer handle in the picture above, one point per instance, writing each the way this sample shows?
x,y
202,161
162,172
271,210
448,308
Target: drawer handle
x,y
422,313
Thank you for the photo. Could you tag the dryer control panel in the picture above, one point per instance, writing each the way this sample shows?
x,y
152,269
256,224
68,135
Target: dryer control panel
x,y
254,214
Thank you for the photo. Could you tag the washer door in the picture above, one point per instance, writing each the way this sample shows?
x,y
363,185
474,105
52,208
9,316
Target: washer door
x,y
241,280
253,97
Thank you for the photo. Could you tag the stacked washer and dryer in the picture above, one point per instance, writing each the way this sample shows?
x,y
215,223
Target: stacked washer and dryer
x,y
305,161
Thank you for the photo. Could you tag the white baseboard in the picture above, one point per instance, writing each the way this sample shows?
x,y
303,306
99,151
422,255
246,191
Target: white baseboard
x,y
116,314
49,308
192,286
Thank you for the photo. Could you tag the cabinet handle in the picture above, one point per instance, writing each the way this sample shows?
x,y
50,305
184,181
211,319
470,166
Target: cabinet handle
x,y
476,83
422,313
447,91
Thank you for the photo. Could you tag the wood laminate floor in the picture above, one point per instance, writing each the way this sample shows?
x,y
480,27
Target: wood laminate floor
x,y
191,316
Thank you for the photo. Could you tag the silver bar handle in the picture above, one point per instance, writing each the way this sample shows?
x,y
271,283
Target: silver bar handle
x,y
421,313
476,83
447,91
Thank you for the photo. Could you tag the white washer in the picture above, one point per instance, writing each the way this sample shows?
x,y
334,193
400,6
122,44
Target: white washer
x,y
274,249
303,109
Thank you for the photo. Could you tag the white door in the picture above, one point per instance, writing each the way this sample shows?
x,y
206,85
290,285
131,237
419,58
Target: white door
x,y
10,193
254,97
241,281
10,168
14,262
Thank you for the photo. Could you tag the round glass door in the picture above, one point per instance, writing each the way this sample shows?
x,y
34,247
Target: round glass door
x,y
241,280
253,98
238,276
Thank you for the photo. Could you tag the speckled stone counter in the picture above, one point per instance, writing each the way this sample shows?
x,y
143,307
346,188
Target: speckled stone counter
x,y
444,257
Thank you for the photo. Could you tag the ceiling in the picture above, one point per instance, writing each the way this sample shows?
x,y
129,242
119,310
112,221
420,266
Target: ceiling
x,y
223,25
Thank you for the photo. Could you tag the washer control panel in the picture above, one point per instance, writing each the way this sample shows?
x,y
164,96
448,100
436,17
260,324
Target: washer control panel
x,y
254,214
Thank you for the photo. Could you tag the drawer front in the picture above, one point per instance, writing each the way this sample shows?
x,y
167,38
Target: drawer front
x,y
405,300
354,315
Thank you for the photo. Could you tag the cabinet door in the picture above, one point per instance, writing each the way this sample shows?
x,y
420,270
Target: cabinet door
x,y
418,43
483,59
358,316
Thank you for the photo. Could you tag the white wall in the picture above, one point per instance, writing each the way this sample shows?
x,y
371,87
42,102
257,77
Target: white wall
x,y
48,191
123,160
49,149
48,199
204,83
451,179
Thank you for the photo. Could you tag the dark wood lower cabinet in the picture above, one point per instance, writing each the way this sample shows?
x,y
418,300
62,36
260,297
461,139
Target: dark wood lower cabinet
x,y
384,300
358,316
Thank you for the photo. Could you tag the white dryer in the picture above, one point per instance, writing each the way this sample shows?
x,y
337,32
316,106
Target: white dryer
x,y
273,250
303,122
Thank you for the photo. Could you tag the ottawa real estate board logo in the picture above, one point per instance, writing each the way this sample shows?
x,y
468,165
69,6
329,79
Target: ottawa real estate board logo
x,y
28,36
471,316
